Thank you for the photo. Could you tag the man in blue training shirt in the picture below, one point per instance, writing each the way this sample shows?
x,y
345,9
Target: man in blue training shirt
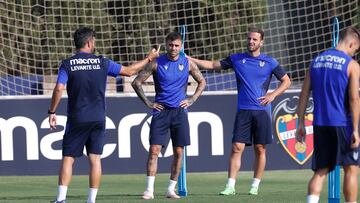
x,y
333,79
253,72
170,72
85,75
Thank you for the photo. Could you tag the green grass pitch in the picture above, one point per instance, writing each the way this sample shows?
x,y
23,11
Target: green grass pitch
x,y
276,186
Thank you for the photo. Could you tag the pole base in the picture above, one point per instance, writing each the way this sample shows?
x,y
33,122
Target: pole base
x,y
182,193
333,200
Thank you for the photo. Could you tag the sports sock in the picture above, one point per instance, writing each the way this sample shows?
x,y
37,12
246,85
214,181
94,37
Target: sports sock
x,y
62,190
172,184
255,182
231,182
150,180
92,195
312,199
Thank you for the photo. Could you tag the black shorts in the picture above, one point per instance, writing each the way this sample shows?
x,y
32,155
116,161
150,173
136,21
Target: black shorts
x,y
253,127
173,119
332,147
89,134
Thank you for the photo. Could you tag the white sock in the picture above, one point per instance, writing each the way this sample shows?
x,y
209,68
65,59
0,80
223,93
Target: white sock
x,y
312,199
172,184
92,195
231,183
255,182
62,190
150,181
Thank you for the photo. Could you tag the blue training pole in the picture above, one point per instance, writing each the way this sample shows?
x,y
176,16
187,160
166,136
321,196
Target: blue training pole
x,y
183,37
182,189
334,175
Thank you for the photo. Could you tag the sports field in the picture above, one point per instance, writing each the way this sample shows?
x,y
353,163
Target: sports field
x,y
277,186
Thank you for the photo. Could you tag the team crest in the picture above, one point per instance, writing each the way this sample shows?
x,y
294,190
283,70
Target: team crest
x,y
181,67
166,67
286,120
244,60
262,64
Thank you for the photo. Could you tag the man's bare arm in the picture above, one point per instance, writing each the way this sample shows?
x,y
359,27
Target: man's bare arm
x,y
199,78
138,66
354,101
55,100
304,97
140,79
269,97
56,96
208,65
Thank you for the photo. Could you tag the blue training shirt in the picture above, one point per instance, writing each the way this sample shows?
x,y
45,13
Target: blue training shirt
x,y
85,76
329,85
171,78
253,76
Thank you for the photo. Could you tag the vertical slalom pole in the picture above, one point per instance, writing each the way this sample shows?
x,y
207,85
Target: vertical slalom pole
x,y
334,175
182,188
183,37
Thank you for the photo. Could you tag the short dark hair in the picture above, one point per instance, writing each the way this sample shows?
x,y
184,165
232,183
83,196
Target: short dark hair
x,y
257,30
82,35
173,36
350,31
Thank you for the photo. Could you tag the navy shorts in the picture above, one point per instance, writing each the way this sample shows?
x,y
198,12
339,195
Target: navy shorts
x,y
332,147
174,120
88,134
252,127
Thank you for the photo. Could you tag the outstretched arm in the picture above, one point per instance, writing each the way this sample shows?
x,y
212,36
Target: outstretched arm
x,y
204,64
354,101
199,78
137,66
304,97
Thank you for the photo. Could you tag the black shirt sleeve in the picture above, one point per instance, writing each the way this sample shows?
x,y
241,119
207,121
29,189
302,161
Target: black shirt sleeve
x,y
279,72
226,63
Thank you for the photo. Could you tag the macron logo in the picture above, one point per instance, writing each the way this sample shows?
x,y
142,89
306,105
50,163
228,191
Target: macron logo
x,y
330,58
84,61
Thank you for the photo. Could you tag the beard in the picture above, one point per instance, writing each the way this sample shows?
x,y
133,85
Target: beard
x,y
173,53
253,48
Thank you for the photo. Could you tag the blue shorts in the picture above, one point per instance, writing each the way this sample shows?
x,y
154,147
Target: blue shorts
x,y
173,119
78,135
252,127
332,147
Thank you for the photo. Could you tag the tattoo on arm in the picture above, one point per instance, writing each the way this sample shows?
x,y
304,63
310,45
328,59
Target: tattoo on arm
x,y
199,78
140,78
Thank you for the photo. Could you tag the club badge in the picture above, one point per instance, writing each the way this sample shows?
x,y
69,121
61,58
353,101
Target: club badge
x,y
262,64
286,121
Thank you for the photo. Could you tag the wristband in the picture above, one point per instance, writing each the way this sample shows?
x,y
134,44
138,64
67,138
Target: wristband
x,y
51,112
